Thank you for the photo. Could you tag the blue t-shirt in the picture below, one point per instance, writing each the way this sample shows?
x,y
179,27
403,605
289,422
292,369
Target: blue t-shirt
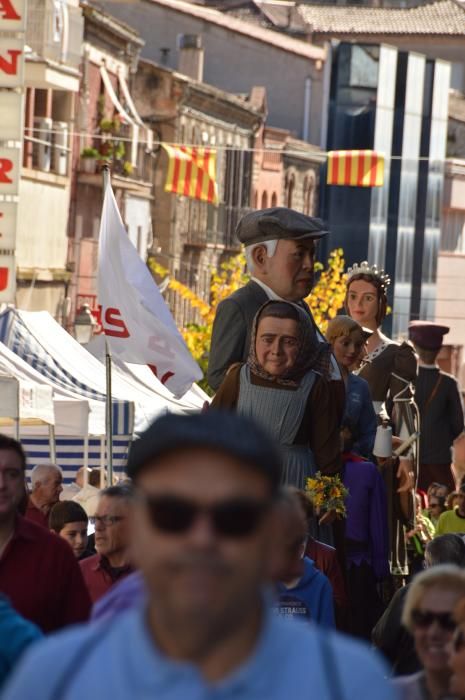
x,y
117,659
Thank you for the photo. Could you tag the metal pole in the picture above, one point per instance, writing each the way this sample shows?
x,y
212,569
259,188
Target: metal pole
x,y
52,443
108,405
109,416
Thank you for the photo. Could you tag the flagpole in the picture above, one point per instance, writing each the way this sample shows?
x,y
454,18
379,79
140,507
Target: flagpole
x,y
108,403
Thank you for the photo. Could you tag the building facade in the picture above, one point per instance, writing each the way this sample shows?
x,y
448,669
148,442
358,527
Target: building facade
x,y
109,132
191,237
238,56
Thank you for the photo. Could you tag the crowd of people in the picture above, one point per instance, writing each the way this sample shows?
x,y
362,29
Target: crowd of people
x,y
208,570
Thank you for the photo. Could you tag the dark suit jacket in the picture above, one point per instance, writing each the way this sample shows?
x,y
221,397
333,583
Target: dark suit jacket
x,y
231,330
441,417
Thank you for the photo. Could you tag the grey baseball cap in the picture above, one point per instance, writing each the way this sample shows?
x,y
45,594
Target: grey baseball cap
x,y
227,432
278,223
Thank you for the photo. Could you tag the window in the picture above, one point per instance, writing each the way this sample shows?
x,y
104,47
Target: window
x,y
308,194
290,185
274,200
453,231
264,200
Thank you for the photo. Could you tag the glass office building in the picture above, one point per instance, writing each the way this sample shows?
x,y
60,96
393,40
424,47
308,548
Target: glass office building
x,y
394,102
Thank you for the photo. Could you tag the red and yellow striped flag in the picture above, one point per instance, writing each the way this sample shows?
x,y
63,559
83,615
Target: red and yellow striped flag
x,y
355,168
192,172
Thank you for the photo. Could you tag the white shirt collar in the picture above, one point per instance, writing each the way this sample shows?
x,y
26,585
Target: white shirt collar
x,y
268,291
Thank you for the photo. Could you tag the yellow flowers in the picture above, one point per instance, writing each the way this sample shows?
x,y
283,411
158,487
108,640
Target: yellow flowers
x,y
230,276
327,296
325,300
327,492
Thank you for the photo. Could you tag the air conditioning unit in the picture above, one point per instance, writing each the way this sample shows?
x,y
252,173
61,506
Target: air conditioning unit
x,y
42,147
60,148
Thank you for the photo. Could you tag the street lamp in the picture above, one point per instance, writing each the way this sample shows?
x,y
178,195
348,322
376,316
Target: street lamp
x,y
84,325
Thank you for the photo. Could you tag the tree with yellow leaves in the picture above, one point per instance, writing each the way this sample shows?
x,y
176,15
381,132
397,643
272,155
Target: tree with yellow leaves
x,y
325,300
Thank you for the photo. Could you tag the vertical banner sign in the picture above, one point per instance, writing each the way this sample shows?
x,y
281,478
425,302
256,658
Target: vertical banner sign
x,y
12,67
8,214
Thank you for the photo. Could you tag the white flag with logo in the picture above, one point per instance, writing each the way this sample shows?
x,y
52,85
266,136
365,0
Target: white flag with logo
x,y
134,316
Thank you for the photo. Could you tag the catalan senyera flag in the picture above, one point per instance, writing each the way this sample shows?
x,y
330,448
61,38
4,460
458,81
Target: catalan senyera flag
x,y
355,168
192,172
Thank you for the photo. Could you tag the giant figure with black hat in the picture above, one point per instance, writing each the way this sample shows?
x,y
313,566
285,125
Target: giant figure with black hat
x,y
280,248
439,401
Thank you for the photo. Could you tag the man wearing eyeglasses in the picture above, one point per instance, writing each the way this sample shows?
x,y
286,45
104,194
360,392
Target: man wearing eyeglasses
x,y
111,521
204,531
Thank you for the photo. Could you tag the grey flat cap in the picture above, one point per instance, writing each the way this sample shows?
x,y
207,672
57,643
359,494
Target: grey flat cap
x,y
227,432
277,224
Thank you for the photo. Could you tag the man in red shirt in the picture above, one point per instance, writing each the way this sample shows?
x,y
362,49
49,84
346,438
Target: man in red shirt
x,y
112,519
38,571
46,488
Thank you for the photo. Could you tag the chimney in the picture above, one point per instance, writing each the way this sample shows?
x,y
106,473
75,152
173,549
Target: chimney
x,y
190,56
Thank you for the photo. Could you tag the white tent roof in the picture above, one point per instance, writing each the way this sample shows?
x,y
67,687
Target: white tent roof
x,y
25,401
142,378
73,415
150,397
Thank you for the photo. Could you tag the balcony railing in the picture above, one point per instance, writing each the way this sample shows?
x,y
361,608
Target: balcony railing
x,y
219,227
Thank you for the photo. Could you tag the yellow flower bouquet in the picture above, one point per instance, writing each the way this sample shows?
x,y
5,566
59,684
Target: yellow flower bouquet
x,y
327,493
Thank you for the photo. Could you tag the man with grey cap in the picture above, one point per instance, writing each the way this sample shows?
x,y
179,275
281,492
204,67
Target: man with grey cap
x,y
204,525
280,252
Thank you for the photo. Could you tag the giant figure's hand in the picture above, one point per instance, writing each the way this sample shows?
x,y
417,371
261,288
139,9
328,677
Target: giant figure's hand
x,y
406,475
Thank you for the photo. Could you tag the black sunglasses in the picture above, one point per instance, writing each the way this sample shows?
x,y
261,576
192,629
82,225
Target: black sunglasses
x,y
425,618
233,518
458,641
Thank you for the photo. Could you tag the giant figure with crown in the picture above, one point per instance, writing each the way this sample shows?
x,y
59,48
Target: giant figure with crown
x,y
390,369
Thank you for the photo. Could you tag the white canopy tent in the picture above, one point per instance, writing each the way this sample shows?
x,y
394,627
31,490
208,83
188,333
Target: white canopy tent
x,y
88,371
24,403
63,416
53,356
142,378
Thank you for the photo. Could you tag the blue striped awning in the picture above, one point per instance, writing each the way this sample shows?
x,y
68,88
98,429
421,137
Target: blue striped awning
x,y
70,454
16,335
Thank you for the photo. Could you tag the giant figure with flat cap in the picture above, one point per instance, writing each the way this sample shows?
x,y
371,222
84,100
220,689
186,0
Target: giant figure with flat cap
x,y
280,248
439,401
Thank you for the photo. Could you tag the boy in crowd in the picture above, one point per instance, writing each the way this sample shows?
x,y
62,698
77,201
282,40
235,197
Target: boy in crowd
x,y
69,520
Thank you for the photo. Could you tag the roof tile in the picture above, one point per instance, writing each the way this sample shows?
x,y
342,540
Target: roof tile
x,y
436,18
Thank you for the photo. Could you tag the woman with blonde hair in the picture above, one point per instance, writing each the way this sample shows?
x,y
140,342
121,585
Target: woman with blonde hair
x,y
457,656
429,616
347,339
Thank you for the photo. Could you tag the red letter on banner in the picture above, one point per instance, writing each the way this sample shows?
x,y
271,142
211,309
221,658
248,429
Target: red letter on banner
x,y
165,377
5,167
7,11
10,67
113,318
3,278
